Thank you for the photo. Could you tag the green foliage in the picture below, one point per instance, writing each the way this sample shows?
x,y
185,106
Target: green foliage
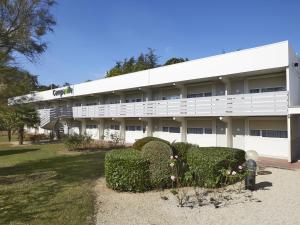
x,y
22,26
139,144
126,170
180,150
207,163
158,153
143,62
175,60
77,141
35,137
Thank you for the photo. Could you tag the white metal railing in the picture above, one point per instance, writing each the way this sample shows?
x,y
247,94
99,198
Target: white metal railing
x,y
270,103
49,115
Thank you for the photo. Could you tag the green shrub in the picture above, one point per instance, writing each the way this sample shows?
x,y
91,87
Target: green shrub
x,y
77,141
158,153
181,149
206,164
126,170
141,142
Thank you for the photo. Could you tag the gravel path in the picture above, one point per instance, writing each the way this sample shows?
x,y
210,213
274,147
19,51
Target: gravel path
x,y
279,195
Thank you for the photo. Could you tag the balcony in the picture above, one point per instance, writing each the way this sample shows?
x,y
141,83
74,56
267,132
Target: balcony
x,y
259,104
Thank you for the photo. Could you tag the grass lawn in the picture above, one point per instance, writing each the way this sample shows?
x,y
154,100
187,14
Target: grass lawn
x,y
44,184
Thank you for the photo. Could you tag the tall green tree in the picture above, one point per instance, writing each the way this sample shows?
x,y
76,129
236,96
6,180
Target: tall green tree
x,y
144,61
23,23
24,115
175,60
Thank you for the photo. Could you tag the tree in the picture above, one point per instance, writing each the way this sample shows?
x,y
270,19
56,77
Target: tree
x,y
24,115
23,23
143,62
7,122
175,60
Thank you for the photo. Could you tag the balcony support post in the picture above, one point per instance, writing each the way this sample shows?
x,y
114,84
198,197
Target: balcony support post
x,y
122,129
83,127
228,122
101,129
183,127
289,134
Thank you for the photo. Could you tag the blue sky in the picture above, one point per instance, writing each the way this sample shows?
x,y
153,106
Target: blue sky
x,y
91,36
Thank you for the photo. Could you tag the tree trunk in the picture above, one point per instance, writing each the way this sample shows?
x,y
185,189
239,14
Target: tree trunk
x,y
9,135
21,135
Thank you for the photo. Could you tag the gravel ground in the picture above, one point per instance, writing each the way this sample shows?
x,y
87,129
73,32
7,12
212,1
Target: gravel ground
x,y
277,201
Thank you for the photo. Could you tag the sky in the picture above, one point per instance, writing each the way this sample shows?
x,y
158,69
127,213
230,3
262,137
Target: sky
x,y
90,36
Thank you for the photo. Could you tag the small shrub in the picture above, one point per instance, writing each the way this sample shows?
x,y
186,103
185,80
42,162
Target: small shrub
x,y
35,137
158,153
126,170
139,144
77,141
206,164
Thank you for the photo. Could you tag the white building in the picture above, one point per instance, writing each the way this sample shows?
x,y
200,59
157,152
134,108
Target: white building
x,y
248,99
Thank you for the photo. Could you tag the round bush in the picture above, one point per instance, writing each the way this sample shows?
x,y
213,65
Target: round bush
x,y
205,164
181,149
158,153
126,170
139,144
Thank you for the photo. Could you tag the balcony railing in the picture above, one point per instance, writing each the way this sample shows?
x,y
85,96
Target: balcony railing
x,y
270,103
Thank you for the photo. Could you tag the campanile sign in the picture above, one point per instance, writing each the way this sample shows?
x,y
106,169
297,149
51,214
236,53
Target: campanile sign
x,y
65,91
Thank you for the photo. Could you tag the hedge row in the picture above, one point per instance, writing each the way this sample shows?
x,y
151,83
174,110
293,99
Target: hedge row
x,y
205,164
126,170
140,170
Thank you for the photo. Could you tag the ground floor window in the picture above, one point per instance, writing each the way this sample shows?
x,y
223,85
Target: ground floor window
x,y
199,130
91,126
115,127
171,129
133,128
269,133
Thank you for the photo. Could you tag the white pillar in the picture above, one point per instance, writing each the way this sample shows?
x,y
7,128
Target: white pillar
x,y
227,88
101,129
229,132
122,98
183,130
148,95
214,129
122,129
83,127
183,91
213,89
149,127
289,133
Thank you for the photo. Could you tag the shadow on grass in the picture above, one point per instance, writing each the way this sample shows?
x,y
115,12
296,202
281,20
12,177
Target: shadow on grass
x,y
16,151
44,189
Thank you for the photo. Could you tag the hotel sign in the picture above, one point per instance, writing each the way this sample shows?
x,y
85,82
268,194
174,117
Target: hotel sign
x,y
61,92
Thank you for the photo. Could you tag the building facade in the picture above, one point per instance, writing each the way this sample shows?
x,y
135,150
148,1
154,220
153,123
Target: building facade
x,y
248,99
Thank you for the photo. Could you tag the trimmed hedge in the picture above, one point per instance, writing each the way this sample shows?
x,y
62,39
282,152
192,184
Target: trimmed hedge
x,y
139,144
181,149
126,170
158,153
206,163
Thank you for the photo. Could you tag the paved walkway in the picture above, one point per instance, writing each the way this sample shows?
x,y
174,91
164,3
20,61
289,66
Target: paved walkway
x,y
278,163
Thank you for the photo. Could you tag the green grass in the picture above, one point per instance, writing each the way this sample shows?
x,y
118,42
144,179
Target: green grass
x,y
44,184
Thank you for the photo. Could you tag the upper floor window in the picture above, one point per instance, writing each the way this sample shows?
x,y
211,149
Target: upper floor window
x,y
77,104
133,100
170,97
269,89
91,103
197,95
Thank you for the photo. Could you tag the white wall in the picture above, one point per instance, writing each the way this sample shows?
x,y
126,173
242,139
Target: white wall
x,y
202,140
267,146
159,124
132,136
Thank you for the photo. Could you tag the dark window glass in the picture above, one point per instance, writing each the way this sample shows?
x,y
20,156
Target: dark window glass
x,y
165,129
207,130
254,90
195,130
174,129
274,133
138,128
254,132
